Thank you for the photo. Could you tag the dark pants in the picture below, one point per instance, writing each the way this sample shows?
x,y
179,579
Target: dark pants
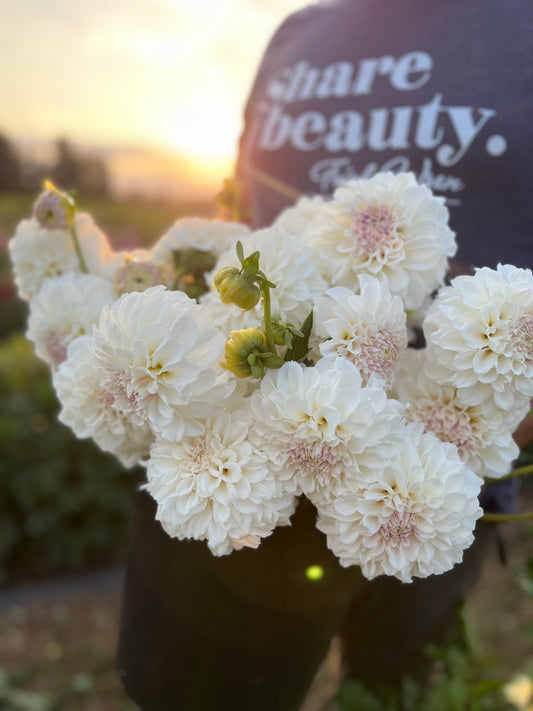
x,y
248,631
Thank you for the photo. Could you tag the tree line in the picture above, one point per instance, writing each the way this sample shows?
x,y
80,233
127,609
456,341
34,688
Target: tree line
x,y
69,170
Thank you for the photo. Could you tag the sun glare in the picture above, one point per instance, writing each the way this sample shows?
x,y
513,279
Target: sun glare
x,y
201,129
172,76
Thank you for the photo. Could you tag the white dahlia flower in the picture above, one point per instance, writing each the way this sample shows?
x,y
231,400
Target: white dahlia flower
x,y
65,308
217,486
38,253
367,328
287,263
413,518
319,426
389,227
480,329
156,353
90,410
300,220
481,433
228,317
215,236
135,271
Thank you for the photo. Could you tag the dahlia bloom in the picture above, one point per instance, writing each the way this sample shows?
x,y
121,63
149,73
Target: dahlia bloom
x,y
90,410
217,486
135,271
366,328
228,317
299,220
38,253
156,352
414,517
215,236
483,434
319,426
480,330
65,308
389,227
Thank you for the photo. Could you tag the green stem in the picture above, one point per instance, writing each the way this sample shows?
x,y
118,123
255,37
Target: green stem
x,y
501,518
268,318
77,247
521,471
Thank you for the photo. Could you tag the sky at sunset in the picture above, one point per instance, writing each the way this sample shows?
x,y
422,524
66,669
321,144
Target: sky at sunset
x,y
153,75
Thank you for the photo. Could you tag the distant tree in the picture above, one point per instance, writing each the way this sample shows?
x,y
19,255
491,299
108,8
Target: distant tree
x,y
88,175
9,166
94,177
66,171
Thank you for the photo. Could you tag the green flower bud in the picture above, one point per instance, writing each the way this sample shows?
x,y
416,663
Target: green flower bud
x,y
235,288
279,333
284,332
242,351
54,209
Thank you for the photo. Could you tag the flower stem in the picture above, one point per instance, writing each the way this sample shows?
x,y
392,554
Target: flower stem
x,y
521,471
268,317
77,247
501,518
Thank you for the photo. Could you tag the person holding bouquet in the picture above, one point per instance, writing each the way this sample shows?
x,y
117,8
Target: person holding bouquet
x,y
346,90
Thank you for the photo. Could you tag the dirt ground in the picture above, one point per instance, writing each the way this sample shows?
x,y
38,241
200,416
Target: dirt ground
x,y
57,640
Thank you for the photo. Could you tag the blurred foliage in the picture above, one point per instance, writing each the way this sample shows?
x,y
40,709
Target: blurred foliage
x,y
14,698
525,578
64,505
456,684
13,316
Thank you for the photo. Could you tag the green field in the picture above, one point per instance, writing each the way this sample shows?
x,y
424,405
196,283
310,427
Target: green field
x,y
144,221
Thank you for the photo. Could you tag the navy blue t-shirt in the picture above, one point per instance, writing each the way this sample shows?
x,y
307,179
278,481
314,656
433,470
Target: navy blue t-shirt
x,y
444,89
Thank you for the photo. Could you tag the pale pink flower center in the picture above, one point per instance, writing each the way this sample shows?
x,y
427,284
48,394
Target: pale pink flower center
x,y
315,459
522,337
373,228
376,353
106,398
449,423
125,398
398,528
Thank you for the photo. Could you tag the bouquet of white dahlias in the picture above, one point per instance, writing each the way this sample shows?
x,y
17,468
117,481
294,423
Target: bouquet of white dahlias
x,y
247,369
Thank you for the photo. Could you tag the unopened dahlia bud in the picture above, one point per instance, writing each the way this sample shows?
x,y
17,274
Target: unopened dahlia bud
x,y
235,288
54,209
247,354
284,332
137,276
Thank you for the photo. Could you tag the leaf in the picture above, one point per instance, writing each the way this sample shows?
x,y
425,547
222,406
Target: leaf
x,y
353,696
300,346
